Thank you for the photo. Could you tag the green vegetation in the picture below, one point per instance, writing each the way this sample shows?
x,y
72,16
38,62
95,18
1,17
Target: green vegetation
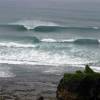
x,y
88,70
79,75
81,85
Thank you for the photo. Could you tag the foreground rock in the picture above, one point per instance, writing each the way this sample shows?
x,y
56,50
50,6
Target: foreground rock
x,y
79,86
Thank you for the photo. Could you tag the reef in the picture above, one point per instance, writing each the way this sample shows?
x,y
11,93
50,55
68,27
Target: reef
x,y
81,85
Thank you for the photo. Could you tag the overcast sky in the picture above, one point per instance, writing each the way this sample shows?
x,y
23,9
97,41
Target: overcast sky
x,y
49,3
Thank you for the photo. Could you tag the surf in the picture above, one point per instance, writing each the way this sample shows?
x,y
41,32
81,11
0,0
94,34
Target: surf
x,y
46,52
44,26
26,42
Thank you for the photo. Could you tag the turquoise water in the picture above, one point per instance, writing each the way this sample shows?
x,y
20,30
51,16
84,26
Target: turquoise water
x,y
49,32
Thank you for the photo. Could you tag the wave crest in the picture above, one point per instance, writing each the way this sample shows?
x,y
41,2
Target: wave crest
x,y
43,26
33,41
32,24
21,42
75,41
18,45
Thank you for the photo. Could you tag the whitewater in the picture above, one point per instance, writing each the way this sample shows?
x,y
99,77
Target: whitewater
x,y
50,49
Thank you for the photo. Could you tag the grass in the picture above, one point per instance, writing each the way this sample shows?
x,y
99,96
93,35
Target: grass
x,y
79,75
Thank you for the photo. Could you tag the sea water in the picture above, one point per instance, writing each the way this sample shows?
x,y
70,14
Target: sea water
x,y
50,32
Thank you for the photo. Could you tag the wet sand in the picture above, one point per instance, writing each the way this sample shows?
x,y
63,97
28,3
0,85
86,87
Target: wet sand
x,y
29,82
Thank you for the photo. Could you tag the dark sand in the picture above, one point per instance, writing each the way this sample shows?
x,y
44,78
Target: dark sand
x,y
30,82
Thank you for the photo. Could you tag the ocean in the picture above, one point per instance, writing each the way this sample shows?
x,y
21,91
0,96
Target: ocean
x,y
52,33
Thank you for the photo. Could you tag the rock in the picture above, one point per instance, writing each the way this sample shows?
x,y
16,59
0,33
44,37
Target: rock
x,y
79,86
41,98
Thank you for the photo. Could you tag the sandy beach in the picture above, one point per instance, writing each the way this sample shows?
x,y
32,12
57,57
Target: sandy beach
x,y
29,82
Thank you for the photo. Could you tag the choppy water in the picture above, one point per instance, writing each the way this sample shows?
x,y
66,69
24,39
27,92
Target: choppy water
x,y
49,33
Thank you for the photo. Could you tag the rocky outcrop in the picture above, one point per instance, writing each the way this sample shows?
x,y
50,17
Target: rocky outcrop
x,y
79,86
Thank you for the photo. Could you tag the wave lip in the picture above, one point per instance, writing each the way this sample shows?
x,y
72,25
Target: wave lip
x,y
57,41
74,41
17,45
48,40
44,26
32,24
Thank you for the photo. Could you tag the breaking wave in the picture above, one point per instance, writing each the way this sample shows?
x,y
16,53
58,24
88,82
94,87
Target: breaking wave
x,y
18,45
33,41
42,26
32,24
45,28
39,52
76,41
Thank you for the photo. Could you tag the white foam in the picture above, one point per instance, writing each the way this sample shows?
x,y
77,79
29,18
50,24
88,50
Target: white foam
x,y
48,40
22,62
31,24
59,41
37,57
14,44
68,40
5,72
56,68
96,28
99,40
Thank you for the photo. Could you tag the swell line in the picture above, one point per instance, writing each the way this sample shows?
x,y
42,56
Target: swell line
x,y
35,41
42,28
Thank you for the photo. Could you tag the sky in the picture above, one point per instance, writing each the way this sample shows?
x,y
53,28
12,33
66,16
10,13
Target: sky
x,y
49,3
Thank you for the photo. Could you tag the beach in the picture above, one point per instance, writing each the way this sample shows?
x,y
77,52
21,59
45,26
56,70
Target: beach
x,y
30,82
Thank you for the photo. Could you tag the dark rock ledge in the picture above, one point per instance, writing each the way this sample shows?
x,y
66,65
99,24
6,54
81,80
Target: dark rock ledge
x,y
81,85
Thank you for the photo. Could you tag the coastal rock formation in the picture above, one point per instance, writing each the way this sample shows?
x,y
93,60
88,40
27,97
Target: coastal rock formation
x,y
79,86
